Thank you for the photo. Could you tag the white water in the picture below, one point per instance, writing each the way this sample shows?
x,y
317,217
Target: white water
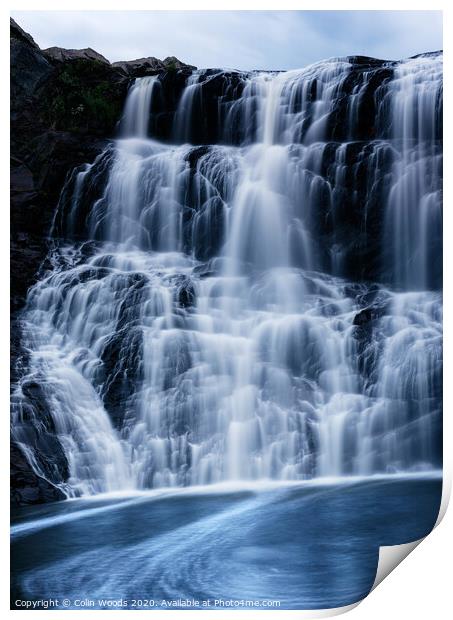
x,y
207,322
136,113
414,93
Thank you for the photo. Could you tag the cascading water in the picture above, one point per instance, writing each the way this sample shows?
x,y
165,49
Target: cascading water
x,y
216,321
136,113
415,100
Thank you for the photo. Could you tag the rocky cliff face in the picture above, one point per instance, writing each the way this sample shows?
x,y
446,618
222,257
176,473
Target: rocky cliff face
x,y
65,105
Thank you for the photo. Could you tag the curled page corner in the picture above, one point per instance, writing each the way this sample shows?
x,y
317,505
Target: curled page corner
x,y
391,556
446,494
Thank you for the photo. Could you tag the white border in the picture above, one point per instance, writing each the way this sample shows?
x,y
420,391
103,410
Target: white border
x,y
423,586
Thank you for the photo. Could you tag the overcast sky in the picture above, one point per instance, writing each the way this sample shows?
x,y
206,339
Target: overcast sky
x,y
238,39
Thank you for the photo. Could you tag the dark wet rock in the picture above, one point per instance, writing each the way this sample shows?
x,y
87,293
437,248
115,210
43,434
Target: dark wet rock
x,y
177,360
41,437
366,325
136,286
363,317
26,253
171,86
33,393
217,89
76,228
121,371
185,294
47,141
367,61
26,487
65,106
348,217
29,67
377,300
367,319
35,187
210,229
205,270
195,154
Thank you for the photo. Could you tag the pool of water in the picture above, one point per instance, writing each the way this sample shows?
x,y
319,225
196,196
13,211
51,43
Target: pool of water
x,y
299,546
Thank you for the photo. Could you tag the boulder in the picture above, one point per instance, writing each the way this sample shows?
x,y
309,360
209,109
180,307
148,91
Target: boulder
x,y
150,66
26,487
60,54
29,67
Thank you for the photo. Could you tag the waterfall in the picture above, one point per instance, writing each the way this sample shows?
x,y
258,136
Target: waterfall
x,y
415,104
267,307
136,113
183,122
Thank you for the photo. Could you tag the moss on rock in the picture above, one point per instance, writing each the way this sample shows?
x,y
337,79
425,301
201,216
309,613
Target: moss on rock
x,y
84,96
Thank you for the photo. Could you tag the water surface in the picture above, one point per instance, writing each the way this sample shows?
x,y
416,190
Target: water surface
x,y
306,545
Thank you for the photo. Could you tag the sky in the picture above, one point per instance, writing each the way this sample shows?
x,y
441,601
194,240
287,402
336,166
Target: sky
x,y
238,39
